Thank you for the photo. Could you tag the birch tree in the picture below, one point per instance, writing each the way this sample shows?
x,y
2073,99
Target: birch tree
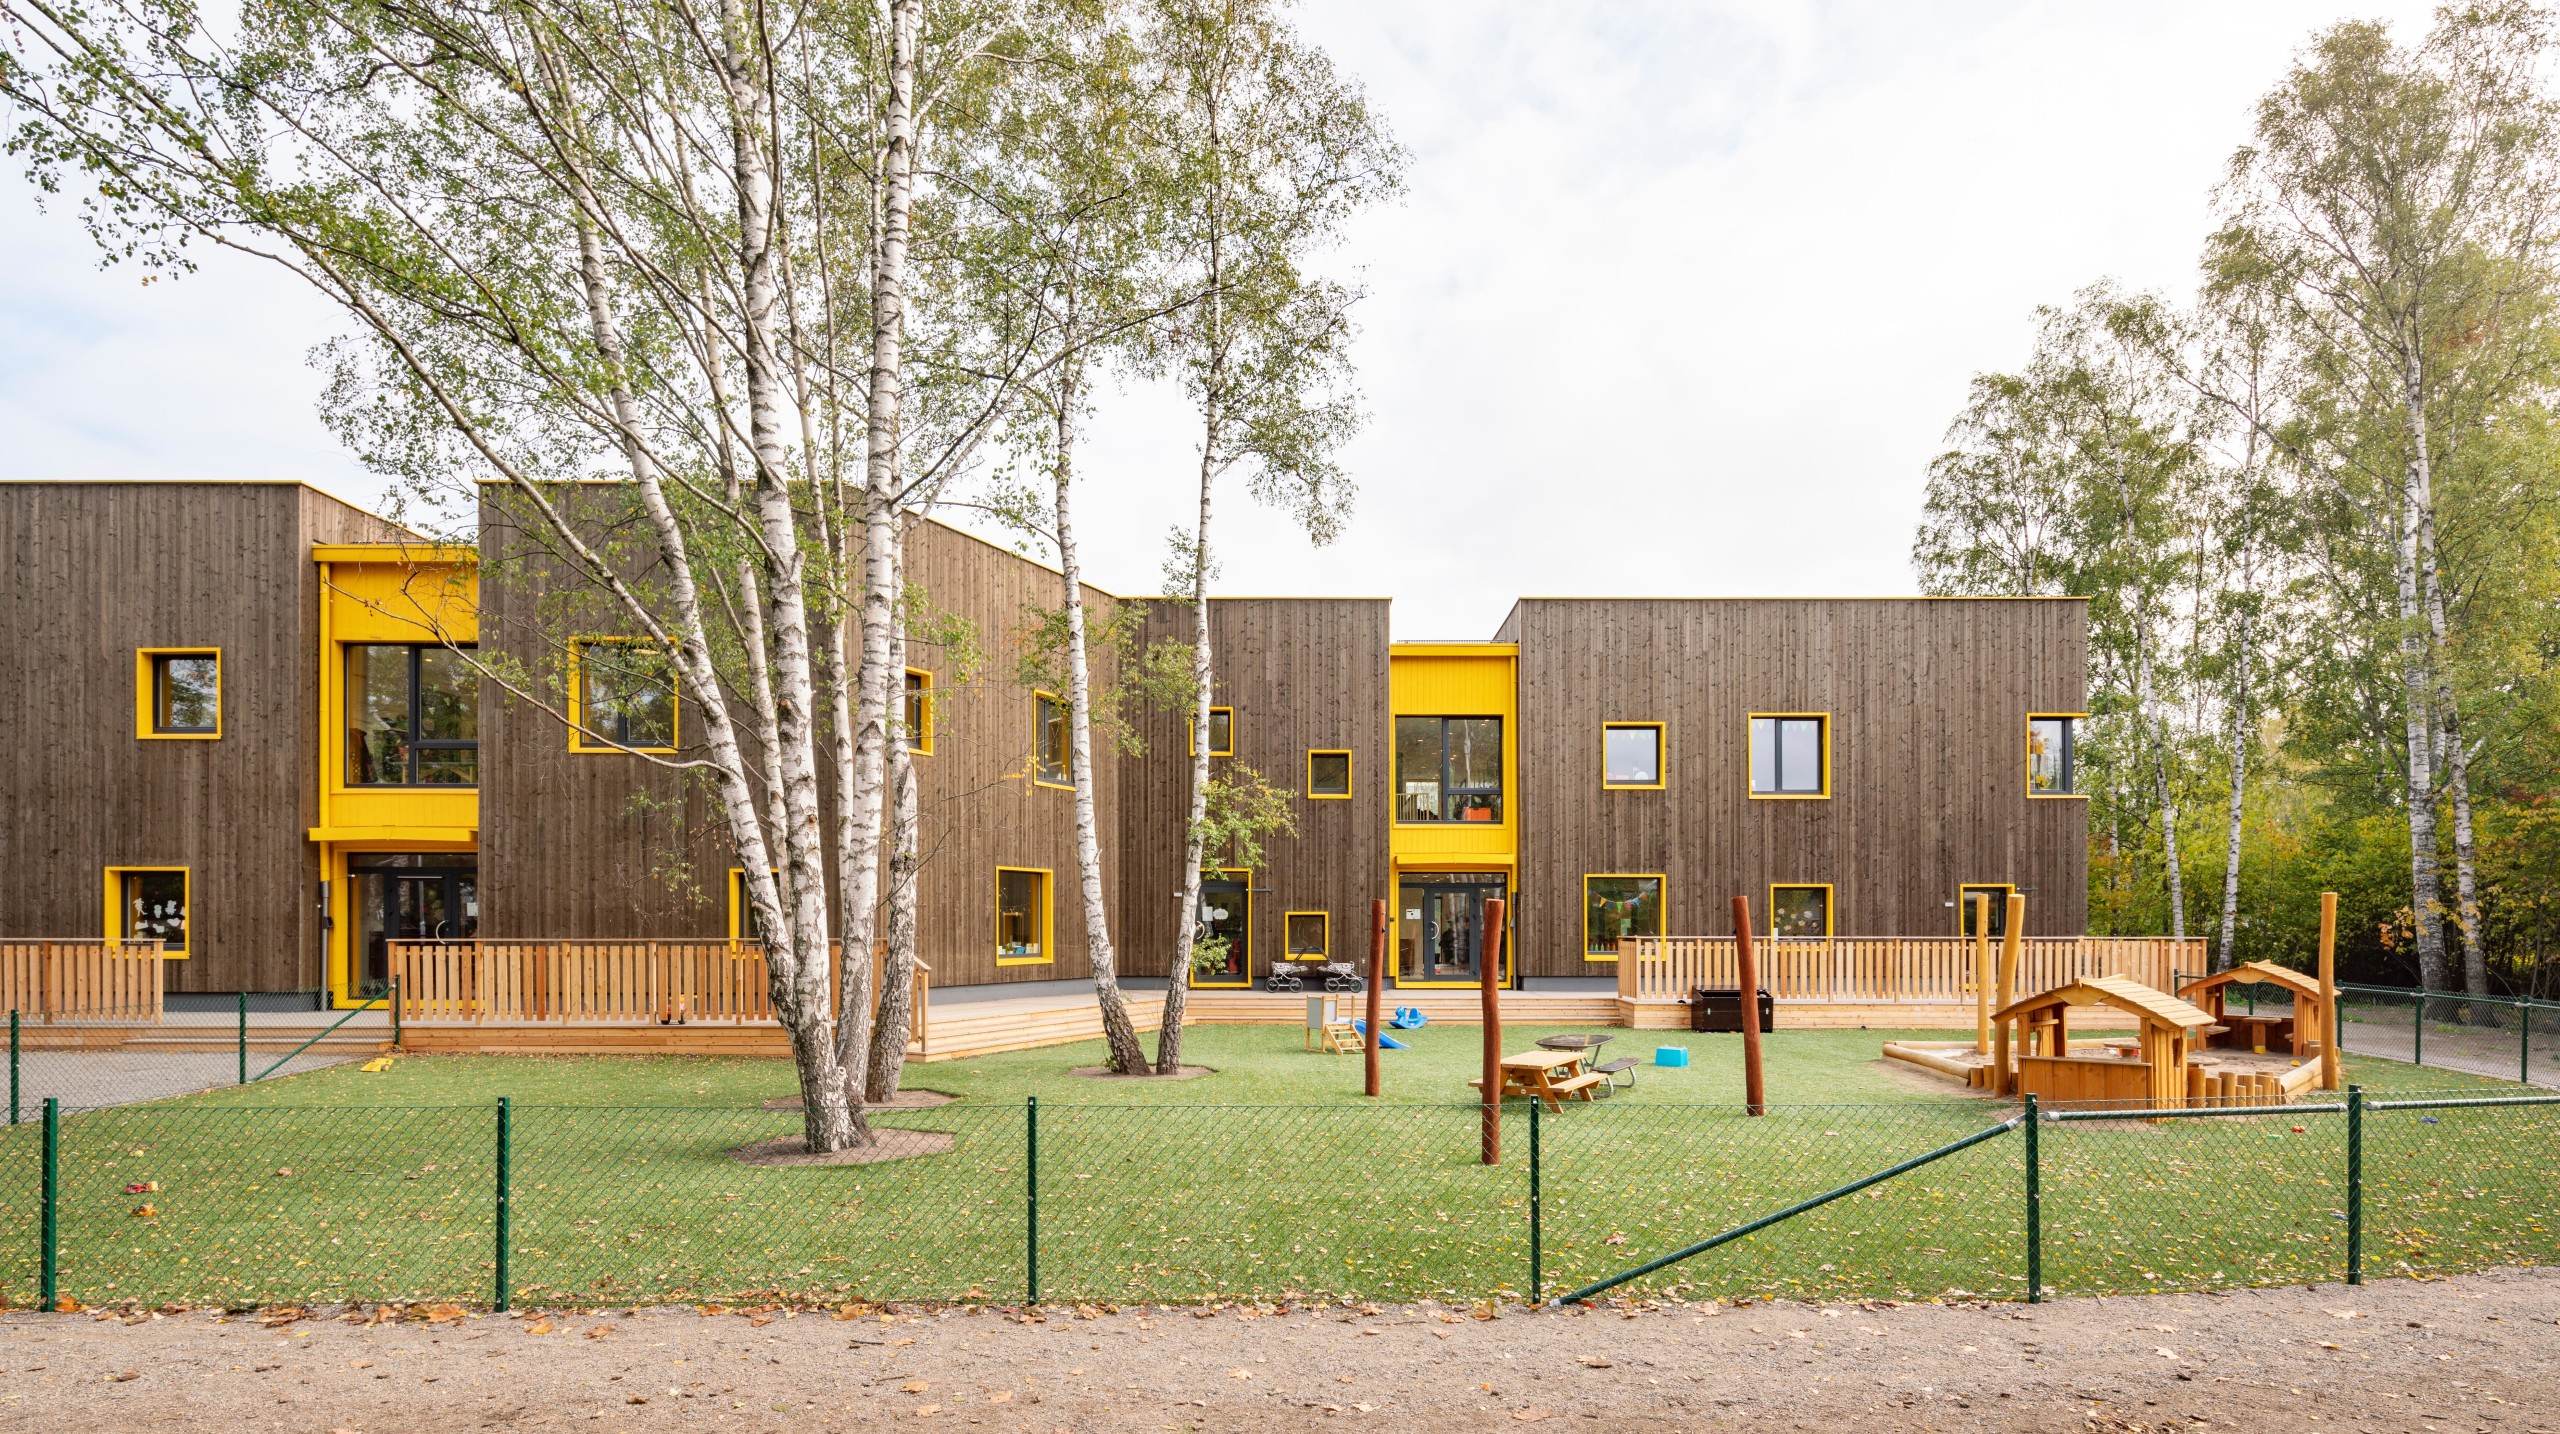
x,y
2402,200
1275,152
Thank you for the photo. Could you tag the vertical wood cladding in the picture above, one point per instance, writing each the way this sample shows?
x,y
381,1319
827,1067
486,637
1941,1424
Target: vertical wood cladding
x,y
1928,701
598,845
95,571
1300,673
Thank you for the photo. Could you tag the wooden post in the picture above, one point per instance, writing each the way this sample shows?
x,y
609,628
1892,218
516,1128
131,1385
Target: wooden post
x,y
1489,971
1981,973
1377,987
1747,966
2329,1075
2012,933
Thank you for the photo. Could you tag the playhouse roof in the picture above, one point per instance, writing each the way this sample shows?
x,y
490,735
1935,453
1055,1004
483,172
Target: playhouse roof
x,y
2114,991
2252,972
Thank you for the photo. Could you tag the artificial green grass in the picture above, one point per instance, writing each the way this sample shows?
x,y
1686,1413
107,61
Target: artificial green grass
x,y
1270,1179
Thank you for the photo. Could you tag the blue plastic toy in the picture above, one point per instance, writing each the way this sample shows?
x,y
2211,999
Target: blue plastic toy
x,y
1671,1055
1407,1018
1385,1042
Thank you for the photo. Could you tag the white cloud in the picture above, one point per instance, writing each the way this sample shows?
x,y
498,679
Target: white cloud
x,y
1680,300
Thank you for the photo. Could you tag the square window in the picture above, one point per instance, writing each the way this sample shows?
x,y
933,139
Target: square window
x,y
1022,917
1631,755
1448,769
1308,935
1998,895
1790,754
1053,759
1615,907
1800,910
180,692
2053,754
622,695
149,903
916,715
1329,774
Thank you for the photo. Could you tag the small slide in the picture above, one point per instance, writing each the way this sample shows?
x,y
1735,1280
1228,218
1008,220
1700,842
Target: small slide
x,y
1385,1042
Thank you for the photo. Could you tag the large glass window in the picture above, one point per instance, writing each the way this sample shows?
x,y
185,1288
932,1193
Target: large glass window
x,y
1790,754
186,693
1617,907
1053,755
624,697
413,716
2053,755
1448,769
1800,910
1022,916
1631,754
151,905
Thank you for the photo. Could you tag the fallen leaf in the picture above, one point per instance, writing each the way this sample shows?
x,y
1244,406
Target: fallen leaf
x,y
914,1386
126,1376
1532,1414
1593,1361
1001,1396
540,1326
600,1331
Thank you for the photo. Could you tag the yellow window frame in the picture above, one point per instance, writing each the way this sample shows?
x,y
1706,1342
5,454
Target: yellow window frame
x,y
1039,729
114,928
1751,734
1830,908
1662,908
1661,757
739,906
579,738
1048,917
1287,953
2027,759
1998,891
146,694
1243,876
1191,732
919,740
1314,752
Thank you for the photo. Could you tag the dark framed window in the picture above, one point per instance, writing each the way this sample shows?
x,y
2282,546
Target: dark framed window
x,y
1800,910
1790,754
1307,935
413,716
1052,752
624,696
186,693
2053,754
1631,755
917,714
152,905
1022,916
1615,907
1448,769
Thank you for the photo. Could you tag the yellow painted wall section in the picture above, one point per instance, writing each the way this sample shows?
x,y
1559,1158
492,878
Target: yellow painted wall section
x,y
389,593
1458,679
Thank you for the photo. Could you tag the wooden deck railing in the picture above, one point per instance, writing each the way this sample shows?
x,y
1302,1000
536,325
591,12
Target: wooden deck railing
x,y
597,982
81,978
1894,970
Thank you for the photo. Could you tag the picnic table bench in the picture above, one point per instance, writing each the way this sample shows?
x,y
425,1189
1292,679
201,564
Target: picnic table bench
x,y
1547,1075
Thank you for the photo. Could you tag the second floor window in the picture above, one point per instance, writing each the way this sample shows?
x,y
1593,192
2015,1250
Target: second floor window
x,y
413,716
917,715
2053,755
1052,757
1448,769
624,696
1790,754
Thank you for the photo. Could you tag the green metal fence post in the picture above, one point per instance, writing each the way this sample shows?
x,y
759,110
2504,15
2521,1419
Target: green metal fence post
x,y
1537,1214
506,1181
395,1013
244,1037
2418,1038
2355,1184
2035,1207
1031,1196
2524,1043
13,1067
49,1277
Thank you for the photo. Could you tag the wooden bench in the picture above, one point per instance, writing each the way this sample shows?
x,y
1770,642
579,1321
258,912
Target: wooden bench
x,y
1580,1085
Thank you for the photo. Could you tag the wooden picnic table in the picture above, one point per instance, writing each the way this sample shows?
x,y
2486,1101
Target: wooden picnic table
x,y
2253,1032
1547,1075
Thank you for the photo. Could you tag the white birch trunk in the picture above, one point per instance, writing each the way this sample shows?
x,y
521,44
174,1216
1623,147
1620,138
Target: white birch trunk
x,y
1119,1033
2157,736
2457,755
2425,890
1186,930
895,1024
2237,740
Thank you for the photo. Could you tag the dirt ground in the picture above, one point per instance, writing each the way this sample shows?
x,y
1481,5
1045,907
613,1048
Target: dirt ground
x,y
2473,1353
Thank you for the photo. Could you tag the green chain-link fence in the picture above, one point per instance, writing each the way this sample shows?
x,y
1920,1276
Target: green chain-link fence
x,y
265,1205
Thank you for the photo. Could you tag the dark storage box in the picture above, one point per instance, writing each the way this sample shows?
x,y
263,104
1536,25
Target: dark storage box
x,y
1720,1009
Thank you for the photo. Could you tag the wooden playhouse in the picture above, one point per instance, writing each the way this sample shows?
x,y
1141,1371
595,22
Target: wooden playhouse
x,y
2298,1031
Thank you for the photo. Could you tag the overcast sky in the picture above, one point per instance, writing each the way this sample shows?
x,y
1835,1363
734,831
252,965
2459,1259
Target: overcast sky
x,y
1680,299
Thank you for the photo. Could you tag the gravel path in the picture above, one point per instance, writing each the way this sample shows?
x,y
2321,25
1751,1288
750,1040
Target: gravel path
x,y
2470,1353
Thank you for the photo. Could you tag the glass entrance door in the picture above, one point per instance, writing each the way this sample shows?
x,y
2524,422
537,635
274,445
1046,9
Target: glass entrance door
x,y
1226,914
431,896
1440,934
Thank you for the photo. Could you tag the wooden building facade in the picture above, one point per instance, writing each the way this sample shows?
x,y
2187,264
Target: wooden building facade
x,y
1609,767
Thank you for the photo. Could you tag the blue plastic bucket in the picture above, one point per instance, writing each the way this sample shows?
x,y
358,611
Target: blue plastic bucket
x,y
1671,1055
